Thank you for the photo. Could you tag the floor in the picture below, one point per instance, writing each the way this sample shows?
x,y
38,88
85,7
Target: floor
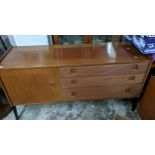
x,y
81,110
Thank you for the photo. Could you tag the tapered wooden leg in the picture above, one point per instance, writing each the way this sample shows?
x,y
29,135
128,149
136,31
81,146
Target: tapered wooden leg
x,y
15,112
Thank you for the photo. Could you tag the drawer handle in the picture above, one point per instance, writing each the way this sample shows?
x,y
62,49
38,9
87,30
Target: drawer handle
x,y
135,67
52,83
127,90
73,81
73,70
73,93
132,77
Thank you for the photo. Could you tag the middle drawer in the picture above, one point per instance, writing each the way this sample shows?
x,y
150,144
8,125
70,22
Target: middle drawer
x,y
101,80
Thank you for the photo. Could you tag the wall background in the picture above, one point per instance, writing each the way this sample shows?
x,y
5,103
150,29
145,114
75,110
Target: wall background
x,y
28,40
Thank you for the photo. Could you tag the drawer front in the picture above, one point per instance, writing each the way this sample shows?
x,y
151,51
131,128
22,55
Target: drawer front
x,y
147,103
101,80
114,69
116,91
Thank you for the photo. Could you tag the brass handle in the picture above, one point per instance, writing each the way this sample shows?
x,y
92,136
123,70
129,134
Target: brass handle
x,y
73,70
132,77
73,93
73,81
135,67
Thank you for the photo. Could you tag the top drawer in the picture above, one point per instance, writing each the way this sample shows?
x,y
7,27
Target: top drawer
x,y
133,68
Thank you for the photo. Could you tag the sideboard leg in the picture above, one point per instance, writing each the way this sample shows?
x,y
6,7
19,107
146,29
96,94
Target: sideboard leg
x,y
15,112
134,102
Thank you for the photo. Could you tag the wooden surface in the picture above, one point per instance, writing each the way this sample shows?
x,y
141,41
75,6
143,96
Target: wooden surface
x,y
116,91
147,104
5,92
133,68
43,74
56,38
93,81
32,85
71,55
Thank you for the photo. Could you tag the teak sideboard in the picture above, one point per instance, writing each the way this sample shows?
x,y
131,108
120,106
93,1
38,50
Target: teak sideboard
x,y
45,74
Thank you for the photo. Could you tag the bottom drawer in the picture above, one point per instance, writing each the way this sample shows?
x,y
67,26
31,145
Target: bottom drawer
x,y
119,91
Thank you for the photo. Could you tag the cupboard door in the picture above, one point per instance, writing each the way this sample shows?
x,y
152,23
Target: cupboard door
x,y
147,104
26,86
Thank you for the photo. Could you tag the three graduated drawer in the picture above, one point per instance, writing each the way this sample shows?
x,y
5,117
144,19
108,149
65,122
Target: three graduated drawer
x,y
132,68
102,81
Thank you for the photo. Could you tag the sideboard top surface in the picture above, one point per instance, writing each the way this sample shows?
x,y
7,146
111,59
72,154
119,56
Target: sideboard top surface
x,y
71,55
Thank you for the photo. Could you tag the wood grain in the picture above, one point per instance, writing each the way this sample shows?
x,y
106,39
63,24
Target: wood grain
x,y
32,85
71,55
32,74
94,81
115,91
133,68
147,104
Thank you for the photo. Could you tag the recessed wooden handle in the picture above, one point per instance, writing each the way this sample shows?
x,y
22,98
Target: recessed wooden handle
x,y
132,77
135,67
73,81
73,93
73,70
52,83
128,48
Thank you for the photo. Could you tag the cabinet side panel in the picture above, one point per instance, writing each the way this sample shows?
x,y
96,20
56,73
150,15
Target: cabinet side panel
x,y
147,105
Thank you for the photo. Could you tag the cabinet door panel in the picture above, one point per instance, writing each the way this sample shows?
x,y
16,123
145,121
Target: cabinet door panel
x,y
26,86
